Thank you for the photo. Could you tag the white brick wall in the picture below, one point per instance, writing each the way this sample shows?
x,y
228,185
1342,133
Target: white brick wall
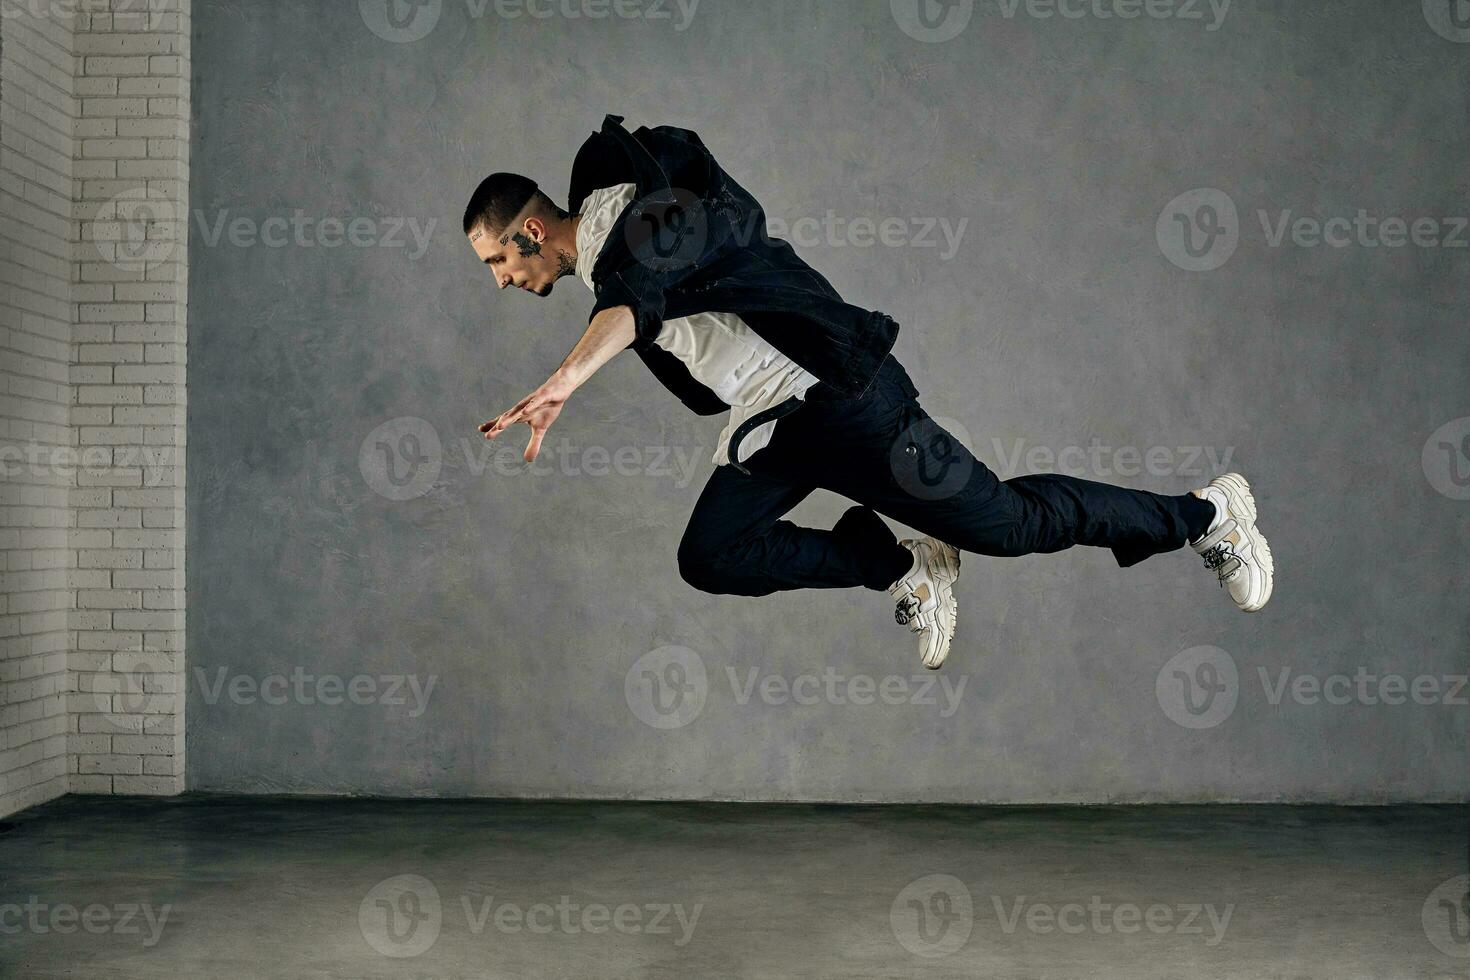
x,y
38,106
96,127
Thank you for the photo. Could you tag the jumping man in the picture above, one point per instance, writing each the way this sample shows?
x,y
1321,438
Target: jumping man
x,y
731,320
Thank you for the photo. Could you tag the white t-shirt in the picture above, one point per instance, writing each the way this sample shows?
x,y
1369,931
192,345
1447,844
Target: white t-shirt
x,y
719,349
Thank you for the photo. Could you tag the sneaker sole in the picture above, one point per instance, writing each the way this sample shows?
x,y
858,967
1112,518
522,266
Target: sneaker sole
x,y
950,569
1239,493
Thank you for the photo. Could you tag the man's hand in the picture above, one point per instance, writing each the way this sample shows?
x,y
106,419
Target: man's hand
x,y
610,331
538,410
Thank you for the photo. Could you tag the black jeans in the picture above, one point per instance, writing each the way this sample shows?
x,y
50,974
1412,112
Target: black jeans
x,y
884,452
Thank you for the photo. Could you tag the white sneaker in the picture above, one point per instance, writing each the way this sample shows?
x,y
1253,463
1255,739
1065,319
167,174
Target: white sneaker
x,y
926,602
1233,547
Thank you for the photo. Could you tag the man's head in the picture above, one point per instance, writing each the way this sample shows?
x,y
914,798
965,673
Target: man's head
x,y
520,234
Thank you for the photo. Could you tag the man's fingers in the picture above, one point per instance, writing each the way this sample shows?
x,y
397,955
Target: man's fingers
x,y
509,417
504,422
517,413
533,448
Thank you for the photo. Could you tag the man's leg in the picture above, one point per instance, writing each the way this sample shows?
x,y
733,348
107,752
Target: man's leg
x,y
921,475
736,543
884,451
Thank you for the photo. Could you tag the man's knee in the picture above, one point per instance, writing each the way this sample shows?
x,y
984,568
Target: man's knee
x,y
701,567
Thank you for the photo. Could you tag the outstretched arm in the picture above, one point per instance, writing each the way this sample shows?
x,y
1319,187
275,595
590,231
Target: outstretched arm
x,y
610,331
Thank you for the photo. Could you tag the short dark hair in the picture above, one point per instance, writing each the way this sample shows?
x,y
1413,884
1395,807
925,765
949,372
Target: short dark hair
x,y
500,197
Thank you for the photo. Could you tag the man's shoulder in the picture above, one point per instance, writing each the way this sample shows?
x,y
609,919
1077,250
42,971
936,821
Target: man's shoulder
x,y
654,159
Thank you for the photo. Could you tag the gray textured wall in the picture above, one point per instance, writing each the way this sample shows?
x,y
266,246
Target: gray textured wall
x,y
1332,375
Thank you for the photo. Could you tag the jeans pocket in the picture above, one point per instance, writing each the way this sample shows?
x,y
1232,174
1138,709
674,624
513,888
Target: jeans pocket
x,y
928,461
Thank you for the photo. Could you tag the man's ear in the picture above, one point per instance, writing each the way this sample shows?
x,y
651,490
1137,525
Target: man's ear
x,y
535,229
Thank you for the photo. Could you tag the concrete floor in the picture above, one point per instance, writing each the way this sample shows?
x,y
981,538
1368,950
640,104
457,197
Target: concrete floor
x,y
235,888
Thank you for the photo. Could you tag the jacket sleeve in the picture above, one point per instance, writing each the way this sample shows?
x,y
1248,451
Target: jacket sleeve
x,y
638,287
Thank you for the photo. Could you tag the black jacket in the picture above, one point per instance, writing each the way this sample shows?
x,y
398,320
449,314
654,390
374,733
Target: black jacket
x,y
695,241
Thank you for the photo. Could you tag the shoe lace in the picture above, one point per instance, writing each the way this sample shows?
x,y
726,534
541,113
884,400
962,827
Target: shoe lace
x,y
1218,559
